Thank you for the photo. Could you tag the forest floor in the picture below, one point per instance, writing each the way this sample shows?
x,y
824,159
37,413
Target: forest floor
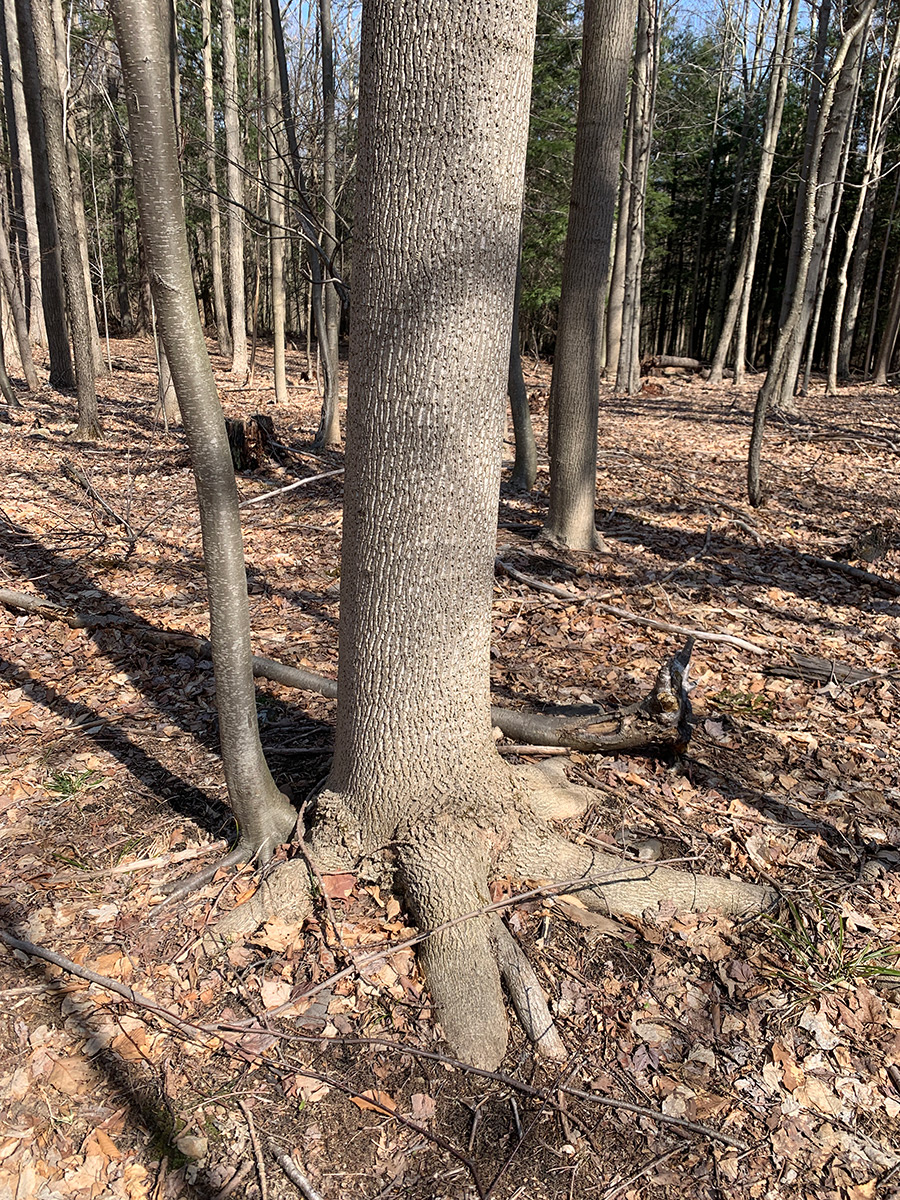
x,y
780,1034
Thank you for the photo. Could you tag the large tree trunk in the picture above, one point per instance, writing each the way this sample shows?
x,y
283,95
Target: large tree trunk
x,y
264,815
62,374
223,335
578,364
234,158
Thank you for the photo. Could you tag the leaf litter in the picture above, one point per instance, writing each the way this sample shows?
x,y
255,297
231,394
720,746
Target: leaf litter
x,y
313,1039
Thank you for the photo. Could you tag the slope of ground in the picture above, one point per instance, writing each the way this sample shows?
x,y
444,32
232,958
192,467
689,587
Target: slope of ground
x,y
779,1036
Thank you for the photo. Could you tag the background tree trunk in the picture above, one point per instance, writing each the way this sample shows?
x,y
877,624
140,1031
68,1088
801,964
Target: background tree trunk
x,y
234,158
329,178
223,335
62,374
525,467
575,389
274,193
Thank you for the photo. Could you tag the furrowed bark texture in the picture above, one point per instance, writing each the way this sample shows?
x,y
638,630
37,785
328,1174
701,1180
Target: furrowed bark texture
x,y
446,87
264,815
575,390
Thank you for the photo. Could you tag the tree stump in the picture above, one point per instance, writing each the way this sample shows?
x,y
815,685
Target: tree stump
x,y
250,440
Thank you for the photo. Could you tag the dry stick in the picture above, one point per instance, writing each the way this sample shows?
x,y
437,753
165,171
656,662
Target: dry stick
x,y
290,487
198,1032
616,1189
257,1149
624,615
78,477
876,581
297,1178
141,864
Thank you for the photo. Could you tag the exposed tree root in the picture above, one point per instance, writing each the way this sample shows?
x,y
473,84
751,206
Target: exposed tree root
x,y
445,863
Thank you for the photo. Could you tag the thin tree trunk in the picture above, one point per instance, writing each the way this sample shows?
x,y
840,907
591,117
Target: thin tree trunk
x,y
575,389
62,374
889,337
17,308
264,815
329,432
274,192
738,311
525,467
617,276
643,101
38,15
25,226
117,170
223,334
234,157
329,177
845,316
782,373
879,278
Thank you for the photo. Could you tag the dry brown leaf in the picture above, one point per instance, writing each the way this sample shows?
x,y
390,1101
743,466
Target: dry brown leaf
x,y
374,1101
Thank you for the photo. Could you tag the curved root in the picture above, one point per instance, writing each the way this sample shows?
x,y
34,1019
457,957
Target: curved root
x,y
527,996
283,893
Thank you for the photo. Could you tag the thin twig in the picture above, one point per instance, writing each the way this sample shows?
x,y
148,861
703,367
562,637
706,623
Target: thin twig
x,y
297,1178
290,487
257,1149
617,1188
624,615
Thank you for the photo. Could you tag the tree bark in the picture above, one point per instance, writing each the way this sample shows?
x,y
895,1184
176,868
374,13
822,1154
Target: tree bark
x,y
38,16
782,374
643,100
264,815
608,31
223,335
52,289
525,467
234,159
25,227
738,311
860,227
329,432
17,308
274,193
329,178
617,275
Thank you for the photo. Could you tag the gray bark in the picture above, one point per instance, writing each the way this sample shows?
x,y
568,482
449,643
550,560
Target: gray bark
x,y
223,334
525,467
643,101
329,176
16,307
738,311
27,237
62,374
234,158
38,15
578,363
274,192
782,374
446,86
264,815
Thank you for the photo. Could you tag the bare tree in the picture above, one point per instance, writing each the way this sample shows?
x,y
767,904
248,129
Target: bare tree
x,y
608,31
274,194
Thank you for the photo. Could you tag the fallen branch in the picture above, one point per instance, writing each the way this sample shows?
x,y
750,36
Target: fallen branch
x,y
290,487
75,475
869,577
662,718
624,615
